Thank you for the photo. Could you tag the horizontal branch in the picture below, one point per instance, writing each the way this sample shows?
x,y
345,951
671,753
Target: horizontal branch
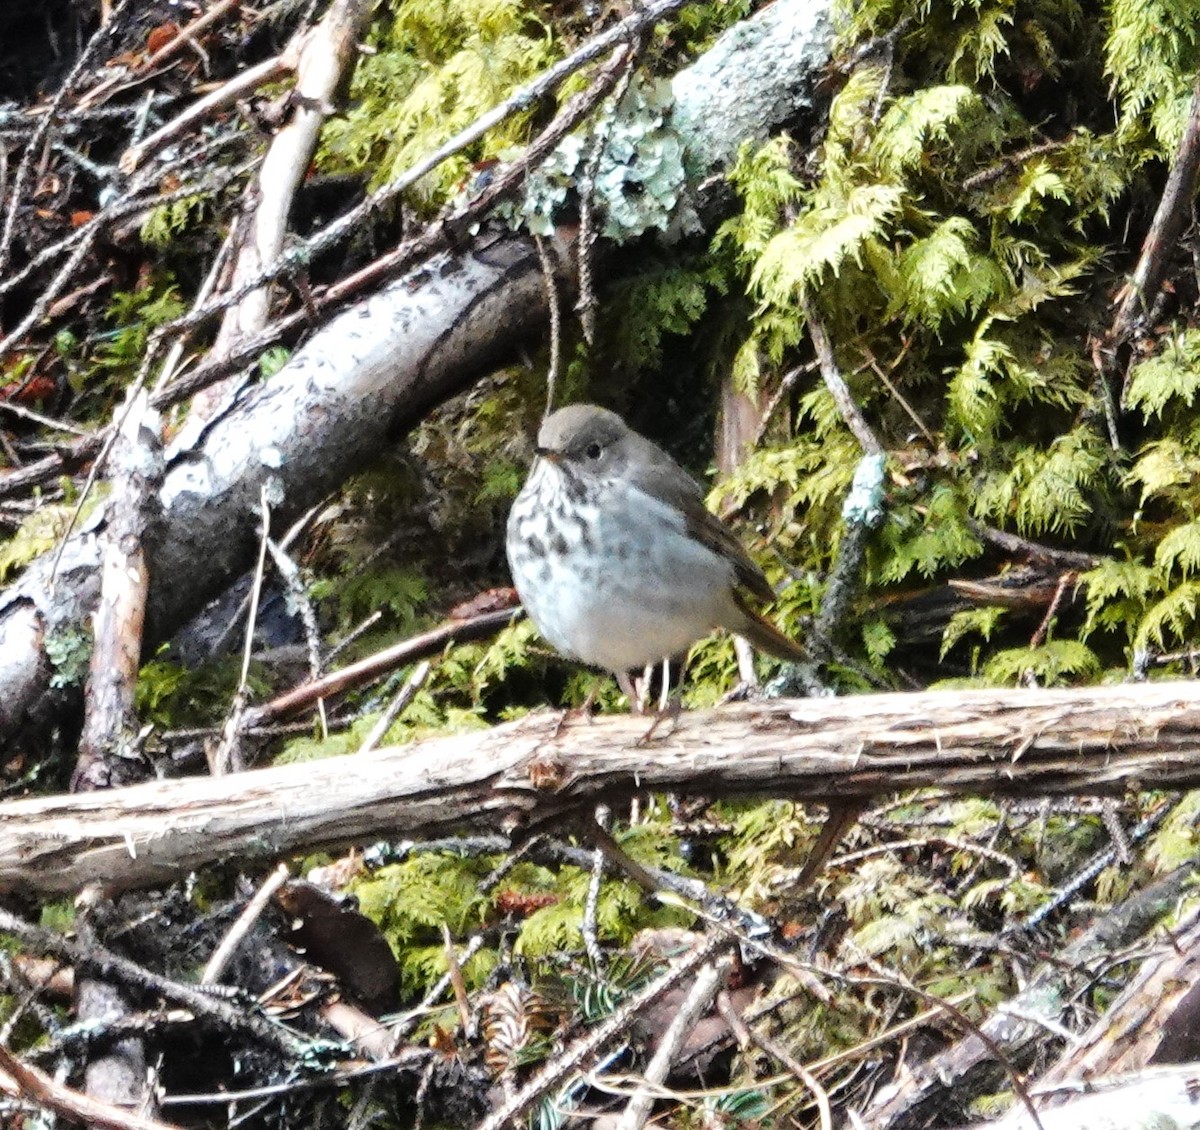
x,y
527,773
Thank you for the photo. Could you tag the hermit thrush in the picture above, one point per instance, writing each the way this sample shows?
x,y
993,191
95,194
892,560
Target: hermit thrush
x,y
615,557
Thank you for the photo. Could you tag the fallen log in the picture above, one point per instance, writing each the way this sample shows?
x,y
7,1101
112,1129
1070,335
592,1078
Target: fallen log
x,y
538,771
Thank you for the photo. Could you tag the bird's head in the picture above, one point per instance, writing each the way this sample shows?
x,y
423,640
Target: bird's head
x,y
586,440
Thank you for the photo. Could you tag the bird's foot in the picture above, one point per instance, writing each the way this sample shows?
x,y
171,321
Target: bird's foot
x,y
743,692
669,712
582,712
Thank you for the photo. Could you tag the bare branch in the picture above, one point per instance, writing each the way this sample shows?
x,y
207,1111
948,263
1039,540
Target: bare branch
x,y
537,771
27,1082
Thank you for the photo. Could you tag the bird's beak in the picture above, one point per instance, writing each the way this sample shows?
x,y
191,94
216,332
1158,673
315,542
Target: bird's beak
x,y
547,453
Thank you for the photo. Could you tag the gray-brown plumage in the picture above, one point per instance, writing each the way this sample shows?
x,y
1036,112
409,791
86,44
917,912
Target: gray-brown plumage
x,y
615,556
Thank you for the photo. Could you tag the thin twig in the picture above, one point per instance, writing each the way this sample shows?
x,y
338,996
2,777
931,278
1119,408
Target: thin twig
x,y
398,655
1141,290
1043,629
708,980
788,961
1010,864
29,1083
256,588
562,1066
773,1048
587,303
520,101
591,943
167,371
406,1022
129,204
355,633
46,421
186,34
405,695
786,383
434,237
111,966
294,531
298,599
555,308
238,931
1106,858
1011,543
901,399
34,146
266,71
836,383
228,754
454,968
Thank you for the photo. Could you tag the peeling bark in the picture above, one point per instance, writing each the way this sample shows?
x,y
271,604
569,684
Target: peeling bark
x,y
110,721
1162,1098
537,771
1017,1023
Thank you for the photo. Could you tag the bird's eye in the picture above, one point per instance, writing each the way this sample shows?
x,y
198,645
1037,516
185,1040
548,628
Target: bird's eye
x,y
593,451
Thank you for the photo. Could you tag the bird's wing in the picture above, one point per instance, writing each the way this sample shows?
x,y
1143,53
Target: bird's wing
x,y
662,478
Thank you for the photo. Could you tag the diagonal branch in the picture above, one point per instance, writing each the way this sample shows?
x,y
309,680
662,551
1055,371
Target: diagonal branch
x,y
1162,239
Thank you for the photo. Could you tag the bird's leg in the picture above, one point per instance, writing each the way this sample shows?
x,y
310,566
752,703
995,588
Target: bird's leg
x,y
664,692
629,691
644,688
670,701
584,710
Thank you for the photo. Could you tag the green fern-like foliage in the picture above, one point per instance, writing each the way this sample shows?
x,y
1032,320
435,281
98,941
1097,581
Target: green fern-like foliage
x,y
981,622
1176,842
892,910
131,317
1050,664
621,909
647,312
952,232
1153,595
393,589
1169,381
412,900
928,539
1153,45
164,224
1052,490
437,67
763,839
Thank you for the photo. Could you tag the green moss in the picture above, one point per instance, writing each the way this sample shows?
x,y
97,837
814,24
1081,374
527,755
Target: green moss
x,y
434,69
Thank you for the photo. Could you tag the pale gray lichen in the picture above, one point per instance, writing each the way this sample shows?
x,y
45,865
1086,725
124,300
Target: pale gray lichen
x,y
69,650
640,176
864,503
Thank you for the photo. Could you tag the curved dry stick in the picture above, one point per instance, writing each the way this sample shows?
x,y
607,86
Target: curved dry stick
x,y
1170,218
704,987
322,57
23,1081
